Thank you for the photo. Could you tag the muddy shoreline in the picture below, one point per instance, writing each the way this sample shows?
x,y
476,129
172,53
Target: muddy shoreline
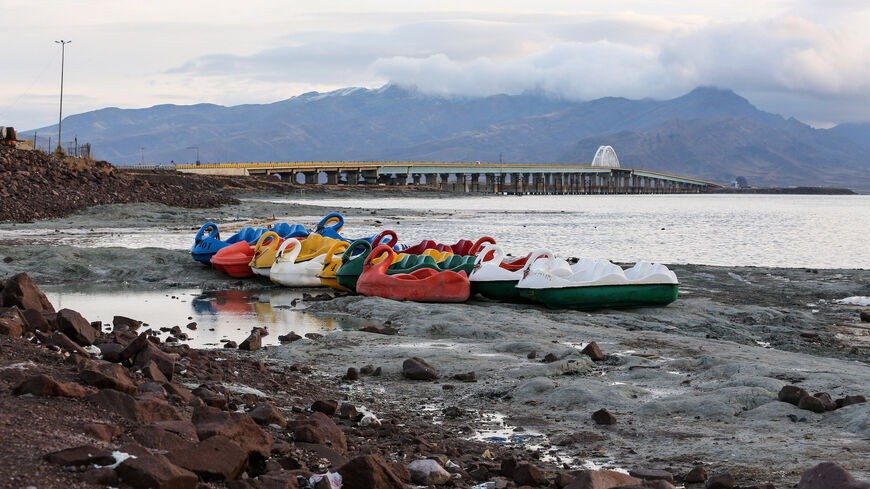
x,y
693,383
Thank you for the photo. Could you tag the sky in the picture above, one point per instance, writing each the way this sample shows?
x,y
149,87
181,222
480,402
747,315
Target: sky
x,y
808,59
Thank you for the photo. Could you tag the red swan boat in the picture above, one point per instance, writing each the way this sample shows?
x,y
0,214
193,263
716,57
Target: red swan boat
x,y
423,285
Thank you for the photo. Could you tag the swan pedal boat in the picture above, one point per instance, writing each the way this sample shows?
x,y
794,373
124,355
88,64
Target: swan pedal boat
x,y
298,264
496,279
596,284
423,285
207,241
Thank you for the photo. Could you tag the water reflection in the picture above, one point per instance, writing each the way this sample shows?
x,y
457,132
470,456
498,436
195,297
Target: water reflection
x,y
220,315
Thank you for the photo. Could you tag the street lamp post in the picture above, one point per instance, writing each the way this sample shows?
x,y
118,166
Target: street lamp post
x,y
197,152
60,116
143,155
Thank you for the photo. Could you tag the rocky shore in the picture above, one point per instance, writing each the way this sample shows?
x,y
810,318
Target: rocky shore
x,y
91,404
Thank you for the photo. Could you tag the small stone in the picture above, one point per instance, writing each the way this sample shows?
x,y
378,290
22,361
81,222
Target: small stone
x,y
326,407
828,475
827,401
791,394
652,474
265,414
378,329
697,474
466,377
603,416
252,342
289,337
102,431
417,369
347,411
550,357
593,351
849,400
369,472
352,374
122,323
812,403
367,370
721,481
865,316
532,354
231,344
428,472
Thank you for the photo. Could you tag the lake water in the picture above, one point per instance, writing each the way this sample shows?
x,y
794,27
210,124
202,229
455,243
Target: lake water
x,y
813,231
220,315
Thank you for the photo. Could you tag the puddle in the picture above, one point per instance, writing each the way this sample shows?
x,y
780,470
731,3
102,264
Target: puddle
x,y
220,315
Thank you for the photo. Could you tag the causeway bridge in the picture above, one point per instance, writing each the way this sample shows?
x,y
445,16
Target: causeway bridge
x,y
473,177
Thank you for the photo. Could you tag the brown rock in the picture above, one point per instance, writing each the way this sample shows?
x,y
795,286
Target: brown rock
x,y
352,374
791,394
217,458
289,337
720,481
828,475
601,479
369,472
697,474
379,329
151,371
335,458
63,342
652,474
154,436
84,455
466,377
111,352
649,484
144,411
155,472
77,328
12,322
36,320
266,414
102,431
238,427
210,397
827,401
849,400
106,375
252,342
326,407
122,323
283,479
417,369
865,316
526,474
812,403
593,351
550,358
532,355
176,390
347,411
44,385
102,477
151,353
320,429
19,290
603,416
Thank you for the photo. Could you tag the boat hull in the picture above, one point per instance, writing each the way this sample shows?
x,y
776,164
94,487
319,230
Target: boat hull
x,y
603,296
498,290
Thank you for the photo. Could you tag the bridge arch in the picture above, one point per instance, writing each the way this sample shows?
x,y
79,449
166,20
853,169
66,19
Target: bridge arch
x,y
605,156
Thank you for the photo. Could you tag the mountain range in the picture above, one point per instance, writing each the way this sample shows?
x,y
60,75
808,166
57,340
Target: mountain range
x,y
708,133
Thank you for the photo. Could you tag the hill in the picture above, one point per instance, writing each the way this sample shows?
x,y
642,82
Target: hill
x,y
707,133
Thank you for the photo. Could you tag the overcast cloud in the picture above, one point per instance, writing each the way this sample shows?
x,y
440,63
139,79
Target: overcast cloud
x,y
799,58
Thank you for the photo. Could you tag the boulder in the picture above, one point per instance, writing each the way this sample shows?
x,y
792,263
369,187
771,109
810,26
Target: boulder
x,y
526,474
144,411
289,337
77,328
102,431
320,429
369,472
849,400
107,375
111,352
151,353
266,414
122,323
238,427
20,291
593,351
865,316
603,416
84,455
252,342
155,472
210,397
601,479
326,407
812,403
826,400
217,458
652,474
63,342
45,385
12,322
828,475
791,394
428,472
697,474
720,481
36,320
417,369
155,436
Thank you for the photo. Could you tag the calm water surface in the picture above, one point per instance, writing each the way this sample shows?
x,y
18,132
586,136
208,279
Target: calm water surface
x,y
743,230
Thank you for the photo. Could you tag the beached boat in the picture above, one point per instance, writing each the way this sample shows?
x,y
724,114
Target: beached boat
x,y
596,284
409,263
264,253
289,272
207,241
423,285
331,264
462,247
495,279
235,259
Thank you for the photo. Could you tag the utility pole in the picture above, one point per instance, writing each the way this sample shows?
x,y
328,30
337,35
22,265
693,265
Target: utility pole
x,y
143,155
60,116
